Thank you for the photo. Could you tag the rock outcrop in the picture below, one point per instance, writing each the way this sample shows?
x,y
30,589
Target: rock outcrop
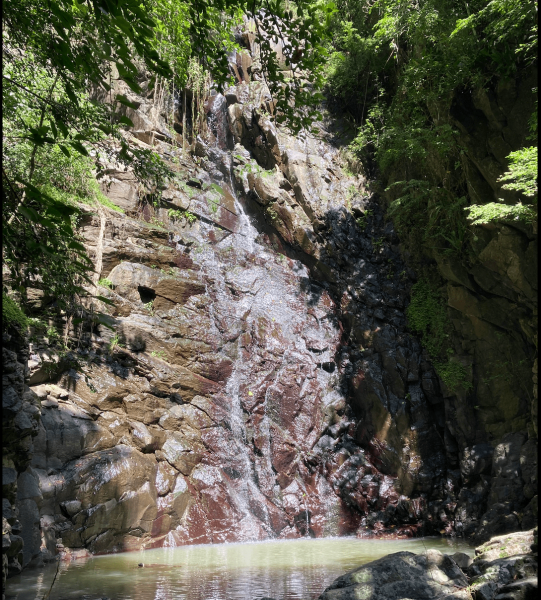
x,y
491,293
20,489
505,568
432,575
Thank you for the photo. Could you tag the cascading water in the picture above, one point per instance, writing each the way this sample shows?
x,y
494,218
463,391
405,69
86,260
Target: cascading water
x,y
255,398
270,297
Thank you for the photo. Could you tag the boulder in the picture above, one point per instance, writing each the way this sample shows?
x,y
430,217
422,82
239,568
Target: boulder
x,y
431,576
505,568
508,545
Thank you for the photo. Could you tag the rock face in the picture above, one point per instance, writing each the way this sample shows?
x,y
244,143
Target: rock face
x,y
20,489
260,381
506,568
254,377
492,304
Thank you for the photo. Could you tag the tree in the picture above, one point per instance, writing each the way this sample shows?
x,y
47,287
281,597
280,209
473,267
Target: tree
x,y
397,66
55,51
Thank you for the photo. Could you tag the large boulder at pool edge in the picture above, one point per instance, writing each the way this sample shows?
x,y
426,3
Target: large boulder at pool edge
x,y
431,576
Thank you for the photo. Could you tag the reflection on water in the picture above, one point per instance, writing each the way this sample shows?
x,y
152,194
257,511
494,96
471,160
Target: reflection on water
x,y
285,570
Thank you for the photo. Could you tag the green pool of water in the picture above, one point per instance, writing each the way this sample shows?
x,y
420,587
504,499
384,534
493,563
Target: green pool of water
x,y
285,570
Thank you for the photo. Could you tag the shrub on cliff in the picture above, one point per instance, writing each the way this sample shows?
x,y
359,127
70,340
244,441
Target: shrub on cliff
x,y
12,313
398,68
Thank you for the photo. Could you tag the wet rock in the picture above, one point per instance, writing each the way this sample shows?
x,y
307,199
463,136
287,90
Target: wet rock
x,y
476,460
30,532
261,362
179,453
165,478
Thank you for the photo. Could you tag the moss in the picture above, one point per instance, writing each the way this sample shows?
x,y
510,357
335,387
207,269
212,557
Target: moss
x,y
12,313
454,375
104,201
93,195
151,226
427,315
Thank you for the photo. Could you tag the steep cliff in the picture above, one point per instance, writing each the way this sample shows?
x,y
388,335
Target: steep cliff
x,y
255,375
490,288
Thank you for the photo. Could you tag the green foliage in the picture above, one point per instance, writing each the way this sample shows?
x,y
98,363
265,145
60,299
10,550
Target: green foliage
x,y
157,222
427,315
505,24
394,68
113,343
52,335
362,221
150,307
12,313
522,174
50,126
454,375
493,212
213,202
182,214
106,283
522,177
252,167
159,354
105,201
428,215
377,243
57,136
171,28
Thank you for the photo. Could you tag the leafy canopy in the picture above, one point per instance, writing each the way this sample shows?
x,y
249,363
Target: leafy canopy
x,y
395,68
60,54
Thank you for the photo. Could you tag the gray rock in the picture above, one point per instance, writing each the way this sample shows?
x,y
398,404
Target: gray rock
x,y
7,510
523,589
30,532
476,460
529,516
431,575
9,476
462,559
28,486
501,564
72,507
11,401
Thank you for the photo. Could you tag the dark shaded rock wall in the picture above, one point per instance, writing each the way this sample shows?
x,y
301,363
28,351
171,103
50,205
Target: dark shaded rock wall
x,y
492,299
20,491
